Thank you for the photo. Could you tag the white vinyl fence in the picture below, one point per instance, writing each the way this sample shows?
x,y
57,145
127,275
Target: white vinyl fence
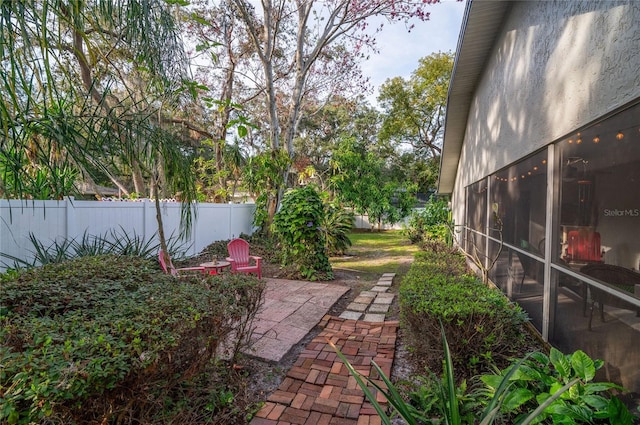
x,y
362,222
51,221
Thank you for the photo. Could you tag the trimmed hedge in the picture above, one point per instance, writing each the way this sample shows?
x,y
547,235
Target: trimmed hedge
x,y
483,327
91,339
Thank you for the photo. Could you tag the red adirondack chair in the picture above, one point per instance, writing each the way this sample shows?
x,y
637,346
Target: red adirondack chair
x,y
170,268
241,261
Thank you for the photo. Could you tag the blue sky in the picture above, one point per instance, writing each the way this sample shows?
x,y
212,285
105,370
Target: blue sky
x,y
400,50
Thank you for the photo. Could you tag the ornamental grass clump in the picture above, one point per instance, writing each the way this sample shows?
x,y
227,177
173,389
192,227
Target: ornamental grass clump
x,y
483,327
96,339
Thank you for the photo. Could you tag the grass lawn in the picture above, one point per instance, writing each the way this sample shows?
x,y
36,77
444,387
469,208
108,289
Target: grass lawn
x,y
374,253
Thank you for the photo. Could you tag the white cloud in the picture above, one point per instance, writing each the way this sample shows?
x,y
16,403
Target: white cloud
x,y
400,50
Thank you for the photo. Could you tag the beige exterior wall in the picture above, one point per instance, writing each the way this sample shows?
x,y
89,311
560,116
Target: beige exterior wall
x,y
556,66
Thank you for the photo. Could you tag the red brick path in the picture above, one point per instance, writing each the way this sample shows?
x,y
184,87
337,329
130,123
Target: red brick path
x,y
319,389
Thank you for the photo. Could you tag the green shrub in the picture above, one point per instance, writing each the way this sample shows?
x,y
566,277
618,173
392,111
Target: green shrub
x,y
90,339
431,223
483,326
298,227
336,226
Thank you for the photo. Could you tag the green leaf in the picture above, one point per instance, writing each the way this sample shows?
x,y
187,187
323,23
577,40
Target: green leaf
x,y
242,131
393,396
618,413
555,387
583,365
540,358
526,373
596,401
545,401
453,411
199,19
596,387
492,381
516,398
560,362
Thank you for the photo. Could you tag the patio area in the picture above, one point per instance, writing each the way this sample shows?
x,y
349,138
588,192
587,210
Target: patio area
x,y
318,389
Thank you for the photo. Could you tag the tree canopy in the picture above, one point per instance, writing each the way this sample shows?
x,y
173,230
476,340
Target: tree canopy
x,y
162,99
414,108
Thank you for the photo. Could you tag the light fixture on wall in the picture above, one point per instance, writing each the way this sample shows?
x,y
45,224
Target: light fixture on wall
x,y
578,139
620,135
596,139
570,171
585,193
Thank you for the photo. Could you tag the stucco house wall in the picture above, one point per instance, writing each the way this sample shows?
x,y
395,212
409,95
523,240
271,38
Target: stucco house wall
x,y
555,66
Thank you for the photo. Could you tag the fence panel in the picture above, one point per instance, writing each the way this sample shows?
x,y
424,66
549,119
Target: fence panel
x,y
99,218
361,221
45,219
51,221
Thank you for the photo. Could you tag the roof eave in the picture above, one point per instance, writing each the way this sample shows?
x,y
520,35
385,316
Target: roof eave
x,y
481,24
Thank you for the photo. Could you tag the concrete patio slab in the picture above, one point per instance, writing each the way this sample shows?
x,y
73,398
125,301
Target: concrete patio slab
x,y
370,317
380,289
291,309
350,315
364,299
379,308
298,298
357,306
384,299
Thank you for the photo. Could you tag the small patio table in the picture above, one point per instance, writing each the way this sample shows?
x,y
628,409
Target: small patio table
x,y
215,267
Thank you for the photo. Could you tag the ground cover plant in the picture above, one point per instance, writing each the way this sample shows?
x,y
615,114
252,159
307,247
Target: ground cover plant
x,y
112,339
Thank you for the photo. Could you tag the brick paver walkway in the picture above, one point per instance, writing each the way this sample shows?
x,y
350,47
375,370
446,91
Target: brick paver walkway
x,y
318,389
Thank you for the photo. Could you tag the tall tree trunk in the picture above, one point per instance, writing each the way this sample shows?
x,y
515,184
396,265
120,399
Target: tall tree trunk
x,y
264,41
139,185
89,85
227,94
155,182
